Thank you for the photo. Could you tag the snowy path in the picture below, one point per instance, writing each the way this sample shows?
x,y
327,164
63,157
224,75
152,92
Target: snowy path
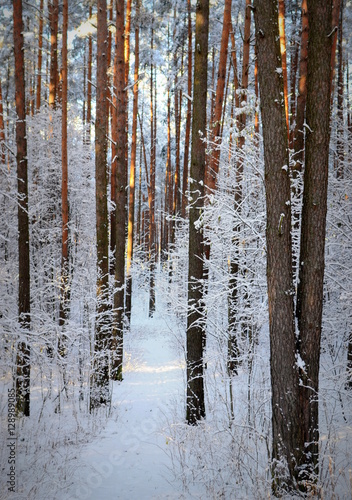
x,y
128,460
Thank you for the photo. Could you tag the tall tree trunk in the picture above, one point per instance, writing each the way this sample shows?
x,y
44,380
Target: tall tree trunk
x,y
131,208
215,137
64,292
152,187
189,113
53,8
23,348
99,392
311,261
195,317
284,380
40,55
120,197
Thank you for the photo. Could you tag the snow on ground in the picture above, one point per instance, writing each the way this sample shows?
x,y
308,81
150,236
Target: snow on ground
x,y
128,460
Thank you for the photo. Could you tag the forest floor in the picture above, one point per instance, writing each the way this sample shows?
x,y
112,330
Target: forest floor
x,y
129,459
140,448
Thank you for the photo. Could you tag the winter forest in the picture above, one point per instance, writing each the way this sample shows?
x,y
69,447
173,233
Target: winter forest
x,y
175,247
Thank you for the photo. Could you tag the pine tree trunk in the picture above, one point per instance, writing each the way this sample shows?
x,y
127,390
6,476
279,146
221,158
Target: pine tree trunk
x,y
215,137
313,226
64,292
189,114
152,189
53,8
99,391
195,317
120,196
23,348
131,208
284,381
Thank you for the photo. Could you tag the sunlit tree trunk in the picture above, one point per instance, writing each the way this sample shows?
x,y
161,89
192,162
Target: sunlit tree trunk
x,y
215,125
195,316
53,9
99,391
64,292
23,348
313,227
131,207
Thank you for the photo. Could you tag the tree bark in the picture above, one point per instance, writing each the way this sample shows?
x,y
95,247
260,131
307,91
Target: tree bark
x,y
64,292
53,8
189,114
120,196
23,348
313,225
100,375
215,137
195,317
152,187
284,381
131,208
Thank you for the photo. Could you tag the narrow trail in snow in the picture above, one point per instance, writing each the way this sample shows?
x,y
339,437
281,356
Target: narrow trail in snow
x,y
128,460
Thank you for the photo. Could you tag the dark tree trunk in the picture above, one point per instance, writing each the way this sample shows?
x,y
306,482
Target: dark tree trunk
x,y
23,349
284,380
313,225
64,293
151,194
100,374
189,113
195,317
120,197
